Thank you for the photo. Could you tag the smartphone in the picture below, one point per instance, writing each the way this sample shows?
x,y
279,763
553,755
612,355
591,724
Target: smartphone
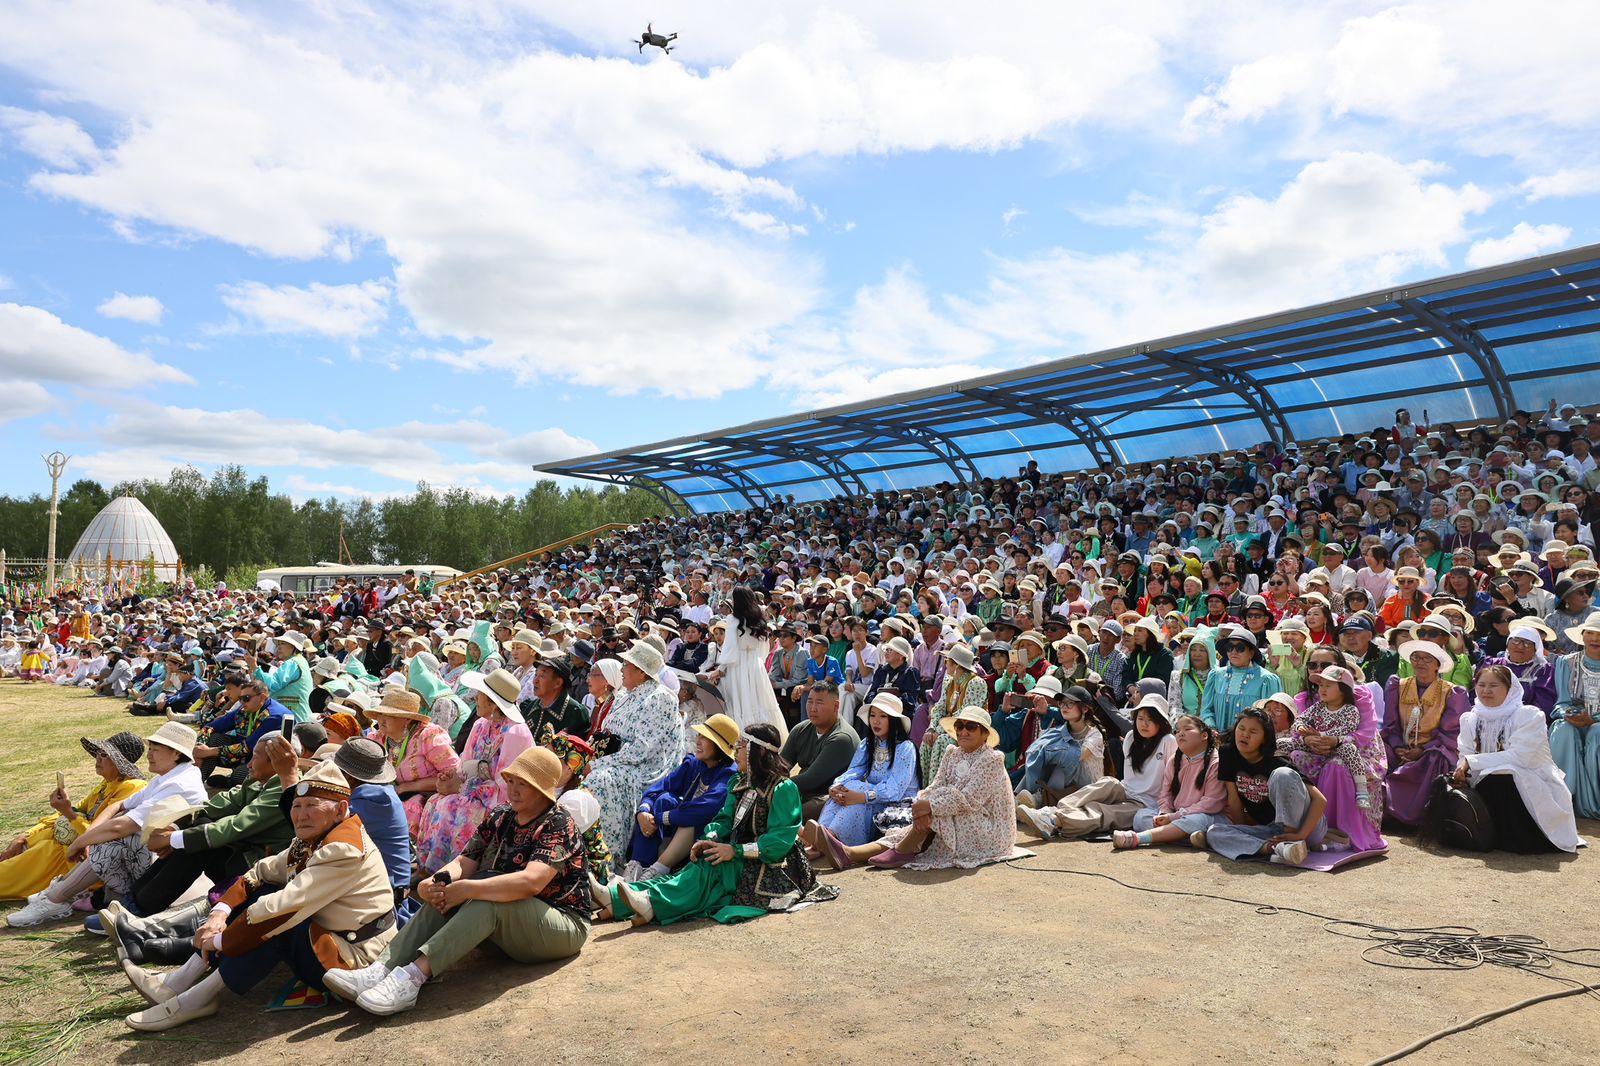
x,y
287,729
61,782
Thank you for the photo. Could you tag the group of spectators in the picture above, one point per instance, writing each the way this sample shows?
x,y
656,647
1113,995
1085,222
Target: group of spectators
x,y
1268,654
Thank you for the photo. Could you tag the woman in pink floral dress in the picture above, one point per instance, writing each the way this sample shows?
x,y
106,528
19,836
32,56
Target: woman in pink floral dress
x,y
467,795
419,749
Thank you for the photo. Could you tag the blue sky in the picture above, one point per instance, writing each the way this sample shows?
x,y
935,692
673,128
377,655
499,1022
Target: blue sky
x,y
351,247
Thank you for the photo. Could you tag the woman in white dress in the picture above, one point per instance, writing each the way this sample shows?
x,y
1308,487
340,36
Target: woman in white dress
x,y
741,673
1505,757
641,740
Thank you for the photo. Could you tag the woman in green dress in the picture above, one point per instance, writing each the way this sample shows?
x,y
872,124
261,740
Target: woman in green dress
x,y
745,865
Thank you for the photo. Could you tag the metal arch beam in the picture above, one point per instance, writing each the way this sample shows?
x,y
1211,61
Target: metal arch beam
x,y
940,445
674,508
1472,344
1243,385
754,493
848,480
1076,421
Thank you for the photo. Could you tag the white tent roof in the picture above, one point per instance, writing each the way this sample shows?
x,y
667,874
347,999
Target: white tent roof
x,y
124,531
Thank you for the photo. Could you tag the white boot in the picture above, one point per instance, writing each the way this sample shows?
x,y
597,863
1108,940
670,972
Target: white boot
x,y
637,902
198,1002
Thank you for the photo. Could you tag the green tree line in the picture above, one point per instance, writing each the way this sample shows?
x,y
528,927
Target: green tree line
x,y
232,520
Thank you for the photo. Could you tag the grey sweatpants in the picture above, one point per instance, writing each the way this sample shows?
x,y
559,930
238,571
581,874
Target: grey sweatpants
x,y
1290,802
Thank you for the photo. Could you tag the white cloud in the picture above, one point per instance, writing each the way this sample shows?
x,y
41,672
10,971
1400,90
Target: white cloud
x,y
1569,181
146,309
148,440
527,197
1353,222
1008,216
329,310
1524,241
845,385
57,141
35,344
23,399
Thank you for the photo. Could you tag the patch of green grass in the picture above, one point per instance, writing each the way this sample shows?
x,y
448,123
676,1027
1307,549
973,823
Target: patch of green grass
x,y
58,991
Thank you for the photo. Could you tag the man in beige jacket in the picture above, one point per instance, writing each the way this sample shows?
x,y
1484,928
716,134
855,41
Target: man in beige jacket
x,y
323,903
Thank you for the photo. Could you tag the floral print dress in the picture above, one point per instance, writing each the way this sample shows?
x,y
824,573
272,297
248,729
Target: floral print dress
x,y
647,721
974,821
425,752
448,822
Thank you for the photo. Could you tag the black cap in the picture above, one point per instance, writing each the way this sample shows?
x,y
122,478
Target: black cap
x,y
1357,624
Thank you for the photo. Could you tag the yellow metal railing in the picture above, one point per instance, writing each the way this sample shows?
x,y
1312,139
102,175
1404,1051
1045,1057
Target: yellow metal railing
x,y
577,538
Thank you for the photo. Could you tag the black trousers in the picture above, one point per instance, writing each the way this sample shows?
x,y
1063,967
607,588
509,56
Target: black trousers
x,y
170,877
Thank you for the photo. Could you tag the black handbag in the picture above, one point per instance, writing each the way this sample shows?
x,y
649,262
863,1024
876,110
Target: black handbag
x,y
1456,815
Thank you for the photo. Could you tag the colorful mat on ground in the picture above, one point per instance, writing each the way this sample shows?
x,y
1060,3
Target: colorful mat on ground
x,y
297,995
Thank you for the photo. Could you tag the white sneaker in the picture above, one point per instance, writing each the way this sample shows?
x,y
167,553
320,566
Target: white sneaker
x,y
1025,799
1197,839
349,984
395,993
1041,822
1290,852
632,870
39,911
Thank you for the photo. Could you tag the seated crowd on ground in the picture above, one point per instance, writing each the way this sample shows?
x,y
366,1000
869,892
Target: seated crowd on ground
x,y
1268,655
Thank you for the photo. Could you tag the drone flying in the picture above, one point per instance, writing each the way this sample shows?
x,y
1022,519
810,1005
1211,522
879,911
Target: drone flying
x,y
662,41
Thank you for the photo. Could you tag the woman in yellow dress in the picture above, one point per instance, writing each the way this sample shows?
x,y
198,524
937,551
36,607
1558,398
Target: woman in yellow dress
x,y
39,856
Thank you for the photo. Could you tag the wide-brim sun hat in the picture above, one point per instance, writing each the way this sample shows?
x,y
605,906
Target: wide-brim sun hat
x,y
645,657
125,749
177,736
721,731
401,703
975,715
502,688
961,655
1048,686
1424,647
537,767
888,703
1575,633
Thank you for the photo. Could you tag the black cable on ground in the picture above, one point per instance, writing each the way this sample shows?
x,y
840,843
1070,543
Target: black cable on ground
x,y
1445,947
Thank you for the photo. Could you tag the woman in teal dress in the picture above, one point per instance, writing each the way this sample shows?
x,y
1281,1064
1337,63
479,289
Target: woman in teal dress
x,y
745,865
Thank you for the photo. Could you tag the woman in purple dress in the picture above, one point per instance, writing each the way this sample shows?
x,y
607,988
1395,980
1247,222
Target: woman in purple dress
x,y
1421,723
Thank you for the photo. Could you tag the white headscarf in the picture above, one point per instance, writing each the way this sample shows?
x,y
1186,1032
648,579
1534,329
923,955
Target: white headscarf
x,y
1531,635
1494,720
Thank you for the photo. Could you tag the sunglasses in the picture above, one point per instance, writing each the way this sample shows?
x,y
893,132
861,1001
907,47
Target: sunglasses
x,y
962,727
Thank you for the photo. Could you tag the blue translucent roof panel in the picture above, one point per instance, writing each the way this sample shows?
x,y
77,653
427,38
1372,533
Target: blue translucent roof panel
x,y
1468,348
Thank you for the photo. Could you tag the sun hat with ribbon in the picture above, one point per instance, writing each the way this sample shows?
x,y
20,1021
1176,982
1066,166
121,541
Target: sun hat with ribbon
x,y
645,657
401,703
961,655
177,736
975,715
502,688
721,731
888,703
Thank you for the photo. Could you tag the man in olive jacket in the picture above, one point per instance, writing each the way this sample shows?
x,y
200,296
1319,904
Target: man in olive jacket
x,y
227,836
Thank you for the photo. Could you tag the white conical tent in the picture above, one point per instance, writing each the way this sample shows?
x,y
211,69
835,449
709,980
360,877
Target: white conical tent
x,y
124,532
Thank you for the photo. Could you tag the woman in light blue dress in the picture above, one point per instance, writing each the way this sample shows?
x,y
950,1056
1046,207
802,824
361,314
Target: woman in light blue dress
x,y
883,774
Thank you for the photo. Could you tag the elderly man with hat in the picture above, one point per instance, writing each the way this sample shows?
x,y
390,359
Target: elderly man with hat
x,y
1575,605
677,805
115,846
521,883
1239,681
322,904
289,680
1357,640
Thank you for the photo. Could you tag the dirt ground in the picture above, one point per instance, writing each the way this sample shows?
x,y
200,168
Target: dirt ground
x,y
1005,964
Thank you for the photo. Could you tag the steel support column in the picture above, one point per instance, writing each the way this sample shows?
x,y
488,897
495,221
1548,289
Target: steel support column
x,y
1240,384
754,493
1474,346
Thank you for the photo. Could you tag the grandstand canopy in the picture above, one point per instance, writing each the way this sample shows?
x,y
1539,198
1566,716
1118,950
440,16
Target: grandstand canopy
x,y
1469,348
